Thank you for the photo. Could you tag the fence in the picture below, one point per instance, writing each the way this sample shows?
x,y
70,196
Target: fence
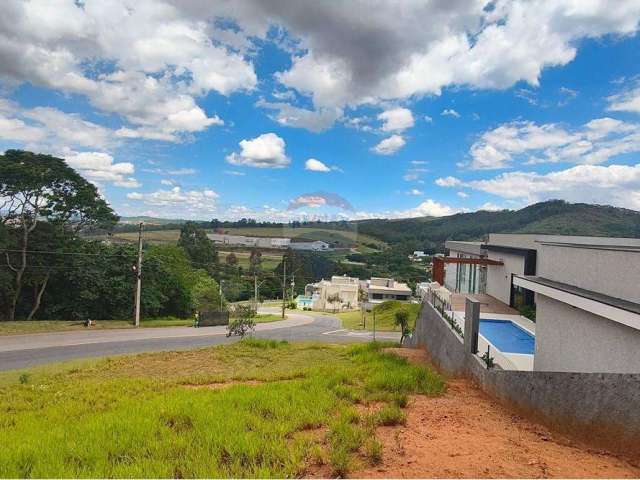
x,y
212,318
600,408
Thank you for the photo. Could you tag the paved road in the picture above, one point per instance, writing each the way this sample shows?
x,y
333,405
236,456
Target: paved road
x,y
19,351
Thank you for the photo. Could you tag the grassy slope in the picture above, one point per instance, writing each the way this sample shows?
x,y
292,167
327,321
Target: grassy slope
x,y
165,415
385,317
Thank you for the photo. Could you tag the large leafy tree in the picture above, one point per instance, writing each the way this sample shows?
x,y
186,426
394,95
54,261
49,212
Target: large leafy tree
x,y
198,247
37,188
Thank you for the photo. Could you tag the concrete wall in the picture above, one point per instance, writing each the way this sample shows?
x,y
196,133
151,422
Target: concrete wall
x,y
572,340
599,408
611,272
499,276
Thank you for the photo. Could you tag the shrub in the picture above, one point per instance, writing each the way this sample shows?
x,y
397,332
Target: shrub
x,y
390,415
373,451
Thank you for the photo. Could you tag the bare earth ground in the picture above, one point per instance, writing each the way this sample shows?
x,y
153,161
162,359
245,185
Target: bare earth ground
x,y
463,433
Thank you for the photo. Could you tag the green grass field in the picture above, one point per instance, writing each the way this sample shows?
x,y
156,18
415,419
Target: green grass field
x,y
343,237
256,408
41,326
385,317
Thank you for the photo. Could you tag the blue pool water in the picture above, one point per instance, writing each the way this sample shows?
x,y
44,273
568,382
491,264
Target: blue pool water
x,y
507,336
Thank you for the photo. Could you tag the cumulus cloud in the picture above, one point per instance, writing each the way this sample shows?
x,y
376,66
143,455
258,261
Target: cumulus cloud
x,y
264,151
448,181
594,142
396,119
415,191
614,184
450,112
145,61
176,199
50,128
149,61
389,145
430,208
316,166
99,167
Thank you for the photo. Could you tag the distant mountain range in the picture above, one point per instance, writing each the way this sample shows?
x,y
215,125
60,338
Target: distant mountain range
x,y
552,217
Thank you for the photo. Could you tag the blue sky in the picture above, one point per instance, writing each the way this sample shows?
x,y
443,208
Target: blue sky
x,y
280,110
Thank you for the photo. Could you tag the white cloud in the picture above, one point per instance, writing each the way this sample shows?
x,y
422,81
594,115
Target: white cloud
x,y
448,182
415,191
234,173
198,201
50,128
431,208
396,119
614,184
465,44
316,166
264,151
595,142
389,145
145,61
626,101
450,112
490,207
166,182
100,167
462,194
182,171
428,119
288,115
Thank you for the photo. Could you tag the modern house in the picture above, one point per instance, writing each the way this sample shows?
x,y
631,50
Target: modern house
x,y
380,290
585,292
343,289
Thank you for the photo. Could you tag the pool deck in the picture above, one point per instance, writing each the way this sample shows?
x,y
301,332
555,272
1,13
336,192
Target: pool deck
x,y
488,304
492,308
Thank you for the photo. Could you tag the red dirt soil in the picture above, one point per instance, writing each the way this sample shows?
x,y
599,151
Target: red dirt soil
x,y
463,433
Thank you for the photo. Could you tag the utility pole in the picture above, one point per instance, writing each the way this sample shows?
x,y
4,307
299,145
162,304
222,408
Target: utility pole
x,y
255,291
284,285
220,285
139,277
374,324
293,285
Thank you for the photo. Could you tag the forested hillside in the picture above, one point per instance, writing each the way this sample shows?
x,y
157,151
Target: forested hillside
x,y
552,217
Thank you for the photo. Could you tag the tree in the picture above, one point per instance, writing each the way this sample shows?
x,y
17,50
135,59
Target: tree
x,y
231,259
402,320
255,261
333,299
206,295
36,188
200,250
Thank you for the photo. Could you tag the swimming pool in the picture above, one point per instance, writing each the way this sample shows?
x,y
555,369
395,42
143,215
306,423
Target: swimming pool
x,y
507,337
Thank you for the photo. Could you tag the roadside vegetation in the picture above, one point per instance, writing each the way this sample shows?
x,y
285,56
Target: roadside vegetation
x,y
257,408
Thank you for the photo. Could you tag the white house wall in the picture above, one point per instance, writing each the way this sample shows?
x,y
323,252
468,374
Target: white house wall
x,y
611,272
499,276
570,339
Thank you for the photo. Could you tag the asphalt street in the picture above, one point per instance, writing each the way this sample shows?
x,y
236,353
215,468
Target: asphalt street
x,y
20,351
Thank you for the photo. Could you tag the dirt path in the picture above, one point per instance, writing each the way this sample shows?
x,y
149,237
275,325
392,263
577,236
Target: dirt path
x,y
463,433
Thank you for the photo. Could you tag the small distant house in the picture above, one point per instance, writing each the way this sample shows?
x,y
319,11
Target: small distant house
x,y
380,290
344,287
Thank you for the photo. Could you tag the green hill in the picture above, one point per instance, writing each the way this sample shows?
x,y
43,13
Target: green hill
x,y
551,217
